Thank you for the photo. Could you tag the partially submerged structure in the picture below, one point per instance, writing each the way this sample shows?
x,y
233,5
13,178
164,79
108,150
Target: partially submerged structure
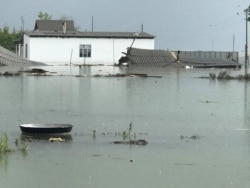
x,y
163,58
146,57
210,59
8,58
58,42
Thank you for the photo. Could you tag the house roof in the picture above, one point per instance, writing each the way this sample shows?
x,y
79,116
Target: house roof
x,y
54,28
163,58
147,57
54,25
206,62
79,34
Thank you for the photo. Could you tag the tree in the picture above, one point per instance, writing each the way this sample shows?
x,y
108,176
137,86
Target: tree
x,y
65,17
44,16
7,39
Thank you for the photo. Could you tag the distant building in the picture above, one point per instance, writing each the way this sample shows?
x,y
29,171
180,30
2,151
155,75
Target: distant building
x,y
58,42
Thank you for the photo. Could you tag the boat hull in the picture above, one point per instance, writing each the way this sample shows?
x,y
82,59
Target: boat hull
x,y
40,128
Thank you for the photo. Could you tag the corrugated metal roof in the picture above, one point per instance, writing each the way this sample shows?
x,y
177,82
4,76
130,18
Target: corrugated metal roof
x,y
147,57
162,58
189,59
209,62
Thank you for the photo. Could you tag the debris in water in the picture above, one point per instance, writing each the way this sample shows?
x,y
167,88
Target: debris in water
x,y
56,139
132,142
223,75
195,137
36,70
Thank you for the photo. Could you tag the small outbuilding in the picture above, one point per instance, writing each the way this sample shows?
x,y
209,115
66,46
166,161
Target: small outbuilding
x,y
57,42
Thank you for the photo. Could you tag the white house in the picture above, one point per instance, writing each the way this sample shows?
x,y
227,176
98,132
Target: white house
x,y
58,42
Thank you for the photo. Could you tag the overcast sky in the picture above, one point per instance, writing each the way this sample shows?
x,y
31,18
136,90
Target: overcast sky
x,y
177,24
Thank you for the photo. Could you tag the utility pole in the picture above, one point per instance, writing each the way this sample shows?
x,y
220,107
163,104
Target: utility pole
x,y
22,25
92,24
233,42
246,45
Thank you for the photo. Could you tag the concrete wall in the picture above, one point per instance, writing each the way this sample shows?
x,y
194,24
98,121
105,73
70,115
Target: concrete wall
x,y
8,58
63,50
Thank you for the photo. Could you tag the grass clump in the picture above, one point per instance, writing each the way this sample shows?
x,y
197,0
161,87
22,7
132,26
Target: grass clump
x,y
127,134
5,148
4,144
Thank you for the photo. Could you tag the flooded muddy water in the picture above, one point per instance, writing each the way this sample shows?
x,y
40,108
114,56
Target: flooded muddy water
x,y
197,130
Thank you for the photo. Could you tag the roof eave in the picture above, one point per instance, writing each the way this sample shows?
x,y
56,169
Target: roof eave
x,y
82,35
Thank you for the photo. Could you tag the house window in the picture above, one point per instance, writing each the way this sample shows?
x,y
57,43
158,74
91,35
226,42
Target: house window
x,y
85,50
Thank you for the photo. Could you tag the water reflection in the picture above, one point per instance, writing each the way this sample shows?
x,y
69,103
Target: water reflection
x,y
176,104
4,160
247,104
45,137
85,70
6,149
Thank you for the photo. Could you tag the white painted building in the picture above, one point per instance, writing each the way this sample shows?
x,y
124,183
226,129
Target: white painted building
x,y
57,42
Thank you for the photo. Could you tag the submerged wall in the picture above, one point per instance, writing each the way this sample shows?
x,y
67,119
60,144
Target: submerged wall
x,y
8,58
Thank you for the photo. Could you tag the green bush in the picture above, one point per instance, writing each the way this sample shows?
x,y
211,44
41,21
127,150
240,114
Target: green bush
x,y
7,39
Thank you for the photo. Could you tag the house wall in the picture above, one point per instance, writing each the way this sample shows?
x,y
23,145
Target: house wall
x,y
58,50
